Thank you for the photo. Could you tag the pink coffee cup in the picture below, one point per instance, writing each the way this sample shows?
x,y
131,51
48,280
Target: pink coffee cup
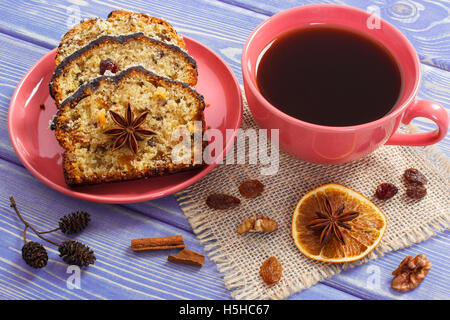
x,y
330,145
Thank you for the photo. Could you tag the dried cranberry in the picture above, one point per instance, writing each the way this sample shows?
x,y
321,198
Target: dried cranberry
x,y
416,191
414,176
108,64
386,191
222,201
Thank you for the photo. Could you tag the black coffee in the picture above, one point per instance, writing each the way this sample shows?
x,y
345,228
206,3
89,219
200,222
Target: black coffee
x,y
329,76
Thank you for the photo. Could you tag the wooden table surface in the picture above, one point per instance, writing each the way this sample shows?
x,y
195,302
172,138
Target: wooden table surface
x,y
29,29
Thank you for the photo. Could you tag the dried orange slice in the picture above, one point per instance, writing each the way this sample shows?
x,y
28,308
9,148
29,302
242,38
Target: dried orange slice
x,y
360,224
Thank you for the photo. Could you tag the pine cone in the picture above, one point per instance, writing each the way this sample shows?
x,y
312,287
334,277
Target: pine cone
x,y
74,222
34,254
74,252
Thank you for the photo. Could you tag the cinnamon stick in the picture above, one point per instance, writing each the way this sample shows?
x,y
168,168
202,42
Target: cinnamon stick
x,y
170,242
187,256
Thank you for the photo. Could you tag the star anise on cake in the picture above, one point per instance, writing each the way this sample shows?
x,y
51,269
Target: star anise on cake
x,y
129,130
330,222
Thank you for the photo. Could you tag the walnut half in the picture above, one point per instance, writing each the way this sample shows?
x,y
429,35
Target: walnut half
x,y
410,273
257,224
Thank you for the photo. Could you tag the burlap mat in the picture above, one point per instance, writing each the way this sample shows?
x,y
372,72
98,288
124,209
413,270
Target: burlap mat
x,y
239,257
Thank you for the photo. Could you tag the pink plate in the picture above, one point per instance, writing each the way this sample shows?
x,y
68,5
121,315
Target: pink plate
x,y
39,151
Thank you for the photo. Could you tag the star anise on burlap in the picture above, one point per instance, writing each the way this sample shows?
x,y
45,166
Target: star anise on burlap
x,y
331,221
129,129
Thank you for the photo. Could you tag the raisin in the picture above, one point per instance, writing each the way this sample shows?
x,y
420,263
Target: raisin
x,y
151,142
386,191
416,191
52,123
162,102
414,176
108,64
100,147
251,188
163,37
222,201
271,271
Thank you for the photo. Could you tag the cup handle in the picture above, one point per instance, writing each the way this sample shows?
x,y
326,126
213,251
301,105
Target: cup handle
x,y
427,109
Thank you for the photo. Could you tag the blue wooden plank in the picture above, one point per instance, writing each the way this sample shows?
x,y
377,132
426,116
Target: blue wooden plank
x,y
234,25
165,209
425,23
375,277
118,272
213,23
16,57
